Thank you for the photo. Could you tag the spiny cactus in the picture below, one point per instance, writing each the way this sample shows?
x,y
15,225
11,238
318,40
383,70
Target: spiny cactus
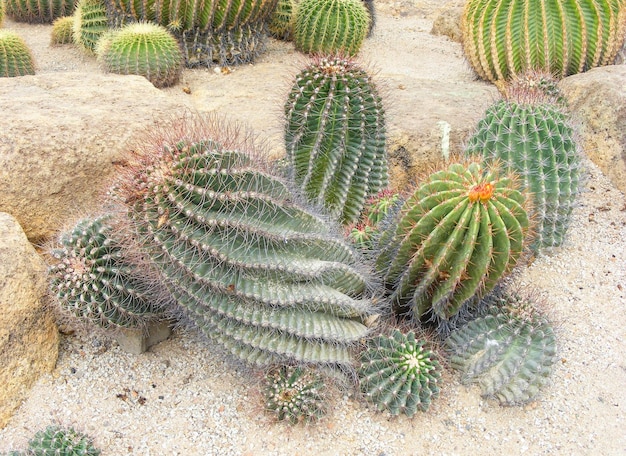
x,y
15,56
1,12
331,26
56,440
376,209
38,11
454,238
62,31
282,20
502,37
335,136
143,49
90,23
95,281
535,140
295,394
399,373
509,351
252,268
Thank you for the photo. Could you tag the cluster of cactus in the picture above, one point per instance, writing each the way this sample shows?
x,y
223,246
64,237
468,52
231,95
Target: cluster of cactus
x,y
454,238
96,281
335,136
62,31
509,351
331,26
59,441
90,24
502,38
15,56
251,267
367,229
144,49
295,394
281,21
529,134
399,373
38,11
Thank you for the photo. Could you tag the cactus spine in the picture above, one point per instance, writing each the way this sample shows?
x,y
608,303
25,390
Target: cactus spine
x,y
90,24
38,11
15,56
454,238
335,136
62,31
55,440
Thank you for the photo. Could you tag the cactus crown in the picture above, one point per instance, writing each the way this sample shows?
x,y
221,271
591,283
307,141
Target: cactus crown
x,y
15,56
55,440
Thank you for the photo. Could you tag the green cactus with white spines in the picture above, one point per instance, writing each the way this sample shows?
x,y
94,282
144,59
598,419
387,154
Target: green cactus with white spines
x,y
509,351
38,11
59,441
454,238
15,56
399,373
282,20
505,37
335,136
367,229
90,24
252,268
62,31
331,26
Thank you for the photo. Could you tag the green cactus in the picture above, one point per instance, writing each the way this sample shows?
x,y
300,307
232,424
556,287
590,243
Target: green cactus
x,y
38,11
454,238
282,20
534,139
331,26
95,281
252,268
503,37
335,136
90,24
1,12
143,49
59,441
62,31
367,229
399,373
509,351
295,394
15,56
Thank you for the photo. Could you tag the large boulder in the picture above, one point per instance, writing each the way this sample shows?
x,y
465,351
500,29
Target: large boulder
x,y
61,135
598,99
29,340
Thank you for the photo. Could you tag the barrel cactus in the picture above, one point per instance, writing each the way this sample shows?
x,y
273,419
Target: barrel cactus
x,y
502,37
56,440
377,208
15,56
62,31
453,239
251,267
399,373
282,19
38,11
509,351
90,24
331,26
335,136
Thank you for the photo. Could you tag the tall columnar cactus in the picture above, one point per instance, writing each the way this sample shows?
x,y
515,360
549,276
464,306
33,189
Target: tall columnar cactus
x,y
62,31
252,268
505,37
38,11
535,140
143,49
90,23
56,440
335,136
15,56
331,26
399,373
95,280
509,351
454,238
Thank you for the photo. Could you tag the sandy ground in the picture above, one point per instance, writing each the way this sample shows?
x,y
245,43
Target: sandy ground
x,y
186,397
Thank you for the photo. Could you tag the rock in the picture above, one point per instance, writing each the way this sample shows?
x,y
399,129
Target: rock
x,y
61,135
598,101
29,340
448,20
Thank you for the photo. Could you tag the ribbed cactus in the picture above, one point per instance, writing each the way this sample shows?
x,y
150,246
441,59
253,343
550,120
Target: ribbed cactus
x,y
505,37
295,394
95,281
143,49
90,23
252,268
15,56
282,20
62,31
455,237
38,11
399,373
534,139
509,351
367,229
56,440
2,8
335,136
331,26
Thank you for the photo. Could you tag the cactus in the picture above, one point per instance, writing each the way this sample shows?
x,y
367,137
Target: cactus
x,y
94,279
453,239
143,49
509,351
335,136
62,31
38,11
15,56
1,12
331,26
376,209
252,268
502,37
55,440
534,139
295,394
399,373
282,19
90,24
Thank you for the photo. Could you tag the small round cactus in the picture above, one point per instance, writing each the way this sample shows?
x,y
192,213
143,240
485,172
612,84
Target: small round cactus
x,y
62,31
90,23
56,440
15,56
295,394
399,373
376,209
